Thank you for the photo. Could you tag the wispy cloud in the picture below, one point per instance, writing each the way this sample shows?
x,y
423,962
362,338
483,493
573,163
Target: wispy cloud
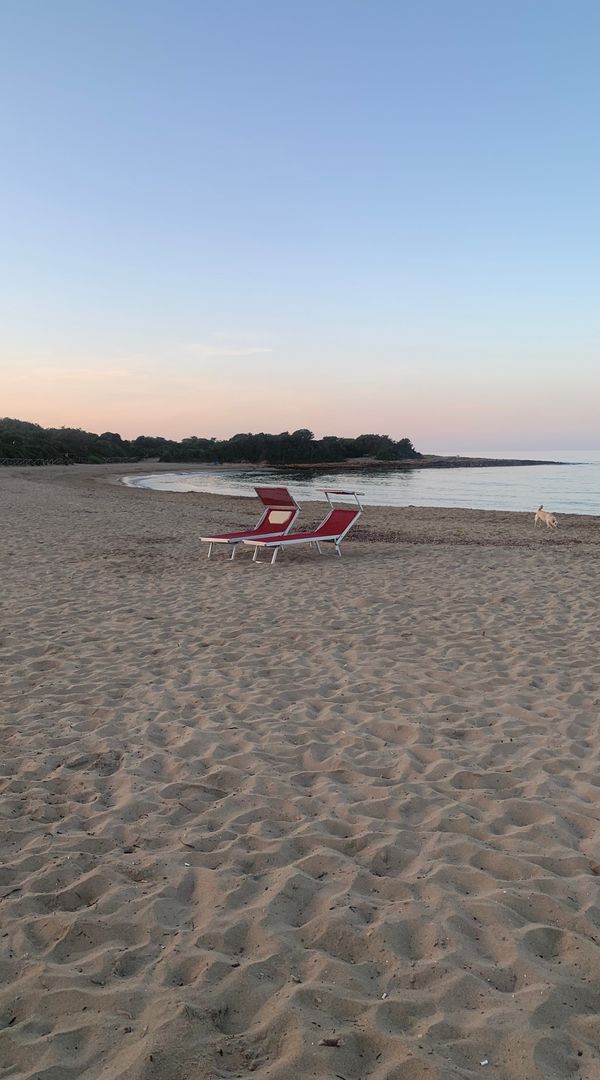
x,y
78,374
244,337
211,351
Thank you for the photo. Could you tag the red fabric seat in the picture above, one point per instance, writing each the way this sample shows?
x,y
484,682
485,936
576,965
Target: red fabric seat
x,y
266,527
334,526
332,530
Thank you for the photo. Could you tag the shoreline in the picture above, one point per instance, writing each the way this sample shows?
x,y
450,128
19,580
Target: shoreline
x,y
426,461
147,480
115,476
512,526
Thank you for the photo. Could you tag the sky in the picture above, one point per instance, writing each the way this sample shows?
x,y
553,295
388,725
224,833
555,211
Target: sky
x,y
241,215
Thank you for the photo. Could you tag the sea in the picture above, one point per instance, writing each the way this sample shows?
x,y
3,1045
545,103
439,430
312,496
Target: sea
x,y
572,487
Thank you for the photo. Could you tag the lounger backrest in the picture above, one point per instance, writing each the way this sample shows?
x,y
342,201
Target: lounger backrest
x,y
276,520
337,522
275,496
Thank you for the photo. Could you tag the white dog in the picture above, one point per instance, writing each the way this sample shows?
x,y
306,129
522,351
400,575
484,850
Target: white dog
x,y
543,516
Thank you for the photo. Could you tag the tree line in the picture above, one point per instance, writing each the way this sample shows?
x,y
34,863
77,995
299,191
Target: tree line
x,y
25,443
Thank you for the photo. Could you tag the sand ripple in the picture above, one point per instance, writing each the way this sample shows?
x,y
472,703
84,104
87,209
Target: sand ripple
x,y
245,810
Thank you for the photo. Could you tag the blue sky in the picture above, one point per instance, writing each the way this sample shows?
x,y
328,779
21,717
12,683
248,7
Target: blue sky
x,y
350,216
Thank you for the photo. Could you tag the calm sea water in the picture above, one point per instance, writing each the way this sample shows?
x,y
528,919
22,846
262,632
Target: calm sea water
x,y
572,488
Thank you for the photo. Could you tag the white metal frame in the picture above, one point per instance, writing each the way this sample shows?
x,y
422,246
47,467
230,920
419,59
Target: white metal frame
x,y
277,544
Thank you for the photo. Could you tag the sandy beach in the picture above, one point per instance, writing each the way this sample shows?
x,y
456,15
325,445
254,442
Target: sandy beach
x,y
332,819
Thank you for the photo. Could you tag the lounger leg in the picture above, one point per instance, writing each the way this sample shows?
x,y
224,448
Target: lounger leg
x,y
209,550
318,547
233,547
337,548
275,550
255,556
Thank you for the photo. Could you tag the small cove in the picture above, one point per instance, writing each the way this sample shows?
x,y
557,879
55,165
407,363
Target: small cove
x,y
571,488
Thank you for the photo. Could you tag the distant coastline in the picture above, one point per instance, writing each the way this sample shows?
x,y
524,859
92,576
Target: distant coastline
x,y
426,461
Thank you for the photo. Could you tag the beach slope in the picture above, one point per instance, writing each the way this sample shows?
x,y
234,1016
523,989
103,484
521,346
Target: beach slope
x,y
334,818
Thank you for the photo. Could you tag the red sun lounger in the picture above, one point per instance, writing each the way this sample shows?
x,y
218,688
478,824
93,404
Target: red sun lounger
x,y
332,530
280,513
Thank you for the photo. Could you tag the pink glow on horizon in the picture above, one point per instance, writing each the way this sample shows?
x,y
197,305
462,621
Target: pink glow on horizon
x,y
117,400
